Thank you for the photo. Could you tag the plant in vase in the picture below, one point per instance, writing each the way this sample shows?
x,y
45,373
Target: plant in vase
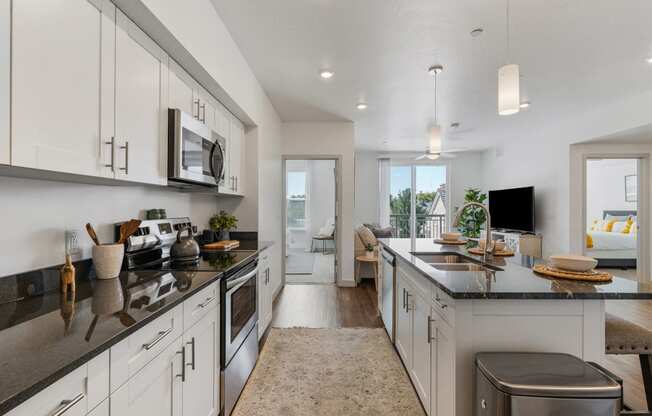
x,y
222,223
473,217
369,250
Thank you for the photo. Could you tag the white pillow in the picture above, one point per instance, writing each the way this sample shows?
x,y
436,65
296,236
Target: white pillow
x,y
610,217
618,226
327,230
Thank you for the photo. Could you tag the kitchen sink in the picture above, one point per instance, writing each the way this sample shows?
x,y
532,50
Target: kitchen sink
x,y
453,262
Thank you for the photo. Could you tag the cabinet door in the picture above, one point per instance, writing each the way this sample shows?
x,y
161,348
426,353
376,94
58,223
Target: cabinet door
x,y
181,90
101,409
443,371
421,343
236,154
201,392
403,321
156,390
140,113
223,124
56,82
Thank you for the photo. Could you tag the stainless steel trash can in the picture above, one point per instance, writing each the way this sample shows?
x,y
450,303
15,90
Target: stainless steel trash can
x,y
542,384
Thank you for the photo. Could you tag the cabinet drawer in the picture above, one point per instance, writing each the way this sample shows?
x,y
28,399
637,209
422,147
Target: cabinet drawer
x,y
134,352
443,305
199,304
66,397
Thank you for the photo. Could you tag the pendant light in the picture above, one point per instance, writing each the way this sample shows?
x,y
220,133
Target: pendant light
x,y
509,96
435,131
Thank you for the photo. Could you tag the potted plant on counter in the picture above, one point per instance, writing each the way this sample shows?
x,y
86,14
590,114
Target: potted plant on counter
x,y
222,223
473,217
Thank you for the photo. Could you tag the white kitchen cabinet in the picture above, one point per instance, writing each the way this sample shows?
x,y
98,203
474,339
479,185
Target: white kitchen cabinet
x,y
140,112
421,348
236,155
55,104
442,369
101,409
403,320
265,293
156,390
201,395
181,94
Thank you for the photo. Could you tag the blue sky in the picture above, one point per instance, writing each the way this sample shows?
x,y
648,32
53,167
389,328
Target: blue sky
x,y
428,178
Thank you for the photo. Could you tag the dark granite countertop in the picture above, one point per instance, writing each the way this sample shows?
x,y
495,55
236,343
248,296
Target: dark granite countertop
x,y
44,336
513,280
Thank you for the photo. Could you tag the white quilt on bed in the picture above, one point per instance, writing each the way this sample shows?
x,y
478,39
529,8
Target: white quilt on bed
x,y
603,240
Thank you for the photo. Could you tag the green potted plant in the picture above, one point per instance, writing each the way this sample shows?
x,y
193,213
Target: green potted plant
x,y
472,218
369,250
222,223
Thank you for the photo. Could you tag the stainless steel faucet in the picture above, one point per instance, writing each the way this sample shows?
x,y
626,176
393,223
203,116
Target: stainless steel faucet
x,y
489,246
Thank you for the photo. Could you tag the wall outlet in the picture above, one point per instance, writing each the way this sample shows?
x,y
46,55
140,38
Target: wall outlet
x,y
72,242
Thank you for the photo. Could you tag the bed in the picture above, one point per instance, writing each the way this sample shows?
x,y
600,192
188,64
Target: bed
x,y
613,249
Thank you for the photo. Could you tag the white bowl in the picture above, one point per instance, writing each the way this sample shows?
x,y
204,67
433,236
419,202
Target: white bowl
x,y
573,263
107,260
451,236
499,245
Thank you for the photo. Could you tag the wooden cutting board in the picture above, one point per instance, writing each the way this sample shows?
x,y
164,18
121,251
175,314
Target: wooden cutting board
x,y
223,245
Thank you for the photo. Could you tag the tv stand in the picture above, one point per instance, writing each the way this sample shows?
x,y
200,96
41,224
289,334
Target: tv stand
x,y
524,243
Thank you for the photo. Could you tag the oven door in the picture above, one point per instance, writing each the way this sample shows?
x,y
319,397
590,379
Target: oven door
x,y
240,311
195,150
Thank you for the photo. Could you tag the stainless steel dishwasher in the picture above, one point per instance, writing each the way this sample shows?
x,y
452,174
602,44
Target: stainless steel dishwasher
x,y
543,384
387,308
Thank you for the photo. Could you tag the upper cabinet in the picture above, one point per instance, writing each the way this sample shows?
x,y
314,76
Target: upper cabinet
x,y
56,81
97,109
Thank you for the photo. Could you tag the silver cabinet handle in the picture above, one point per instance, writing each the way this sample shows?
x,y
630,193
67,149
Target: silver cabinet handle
x,y
159,338
112,144
236,184
407,303
126,149
430,337
68,404
203,118
206,302
404,303
196,102
183,364
441,305
192,351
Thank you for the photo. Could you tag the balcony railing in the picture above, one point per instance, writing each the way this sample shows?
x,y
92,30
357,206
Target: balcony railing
x,y
427,226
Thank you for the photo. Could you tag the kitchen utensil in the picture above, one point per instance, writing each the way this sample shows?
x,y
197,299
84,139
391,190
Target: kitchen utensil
x,y
107,260
127,229
573,263
451,236
185,248
91,232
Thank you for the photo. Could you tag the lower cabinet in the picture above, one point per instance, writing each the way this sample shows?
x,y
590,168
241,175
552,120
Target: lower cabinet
x,y
102,409
157,389
426,344
201,387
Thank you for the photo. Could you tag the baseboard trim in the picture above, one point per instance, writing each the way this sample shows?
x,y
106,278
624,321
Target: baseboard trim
x,y
346,283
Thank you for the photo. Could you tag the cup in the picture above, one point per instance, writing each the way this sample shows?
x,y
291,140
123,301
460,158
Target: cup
x,y
107,260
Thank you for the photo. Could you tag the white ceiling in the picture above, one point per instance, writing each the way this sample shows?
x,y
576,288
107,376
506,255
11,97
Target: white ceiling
x,y
574,55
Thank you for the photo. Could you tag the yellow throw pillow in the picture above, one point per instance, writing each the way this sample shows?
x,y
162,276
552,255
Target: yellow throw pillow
x,y
628,226
608,226
589,241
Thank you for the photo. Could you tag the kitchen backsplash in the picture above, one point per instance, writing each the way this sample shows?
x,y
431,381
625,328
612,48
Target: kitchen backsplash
x,y
35,215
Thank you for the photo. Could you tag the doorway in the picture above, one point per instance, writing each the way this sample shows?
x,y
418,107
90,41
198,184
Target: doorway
x,y
310,220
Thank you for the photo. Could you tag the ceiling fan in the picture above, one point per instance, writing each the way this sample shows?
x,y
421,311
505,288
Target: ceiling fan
x,y
434,150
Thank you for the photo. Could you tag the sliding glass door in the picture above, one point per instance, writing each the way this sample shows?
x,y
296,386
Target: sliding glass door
x,y
418,200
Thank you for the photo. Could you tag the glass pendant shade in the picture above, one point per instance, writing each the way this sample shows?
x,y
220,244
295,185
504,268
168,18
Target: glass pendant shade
x,y
435,138
509,97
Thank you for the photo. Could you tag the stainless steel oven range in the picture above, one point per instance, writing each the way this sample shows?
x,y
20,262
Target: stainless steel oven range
x,y
239,329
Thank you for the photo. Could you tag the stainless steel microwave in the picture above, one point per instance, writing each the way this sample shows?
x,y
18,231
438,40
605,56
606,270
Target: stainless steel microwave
x,y
195,152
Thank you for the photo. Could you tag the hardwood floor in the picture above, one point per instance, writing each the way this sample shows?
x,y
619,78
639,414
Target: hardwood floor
x,y
627,366
327,306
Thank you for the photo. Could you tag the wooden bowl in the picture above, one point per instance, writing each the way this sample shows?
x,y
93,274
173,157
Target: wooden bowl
x,y
451,236
573,263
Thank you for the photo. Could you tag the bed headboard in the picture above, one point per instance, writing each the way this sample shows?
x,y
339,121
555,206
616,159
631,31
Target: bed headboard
x,y
617,213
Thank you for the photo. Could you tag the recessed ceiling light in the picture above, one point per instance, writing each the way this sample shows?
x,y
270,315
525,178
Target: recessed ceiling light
x,y
435,69
525,104
477,32
326,74
361,106
649,60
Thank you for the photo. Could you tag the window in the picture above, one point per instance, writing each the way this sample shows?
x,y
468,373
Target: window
x,y
296,199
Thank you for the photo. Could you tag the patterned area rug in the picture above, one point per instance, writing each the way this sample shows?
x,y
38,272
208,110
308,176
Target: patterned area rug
x,y
344,371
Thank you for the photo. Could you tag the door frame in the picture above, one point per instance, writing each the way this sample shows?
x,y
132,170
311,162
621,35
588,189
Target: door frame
x,y
338,210
579,155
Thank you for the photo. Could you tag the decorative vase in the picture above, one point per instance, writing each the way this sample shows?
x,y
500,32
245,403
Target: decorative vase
x,y
369,254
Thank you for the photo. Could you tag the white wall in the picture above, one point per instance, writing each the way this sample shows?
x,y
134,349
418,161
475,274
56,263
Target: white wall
x,y
322,193
605,186
330,139
465,172
366,188
539,156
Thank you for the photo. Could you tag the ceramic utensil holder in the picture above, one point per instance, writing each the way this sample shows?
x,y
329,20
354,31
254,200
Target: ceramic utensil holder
x,y
107,259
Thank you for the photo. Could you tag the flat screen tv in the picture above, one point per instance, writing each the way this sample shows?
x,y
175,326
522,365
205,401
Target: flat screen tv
x,y
512,209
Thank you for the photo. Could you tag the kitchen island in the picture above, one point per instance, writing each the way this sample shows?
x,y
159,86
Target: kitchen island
x,y
449,305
